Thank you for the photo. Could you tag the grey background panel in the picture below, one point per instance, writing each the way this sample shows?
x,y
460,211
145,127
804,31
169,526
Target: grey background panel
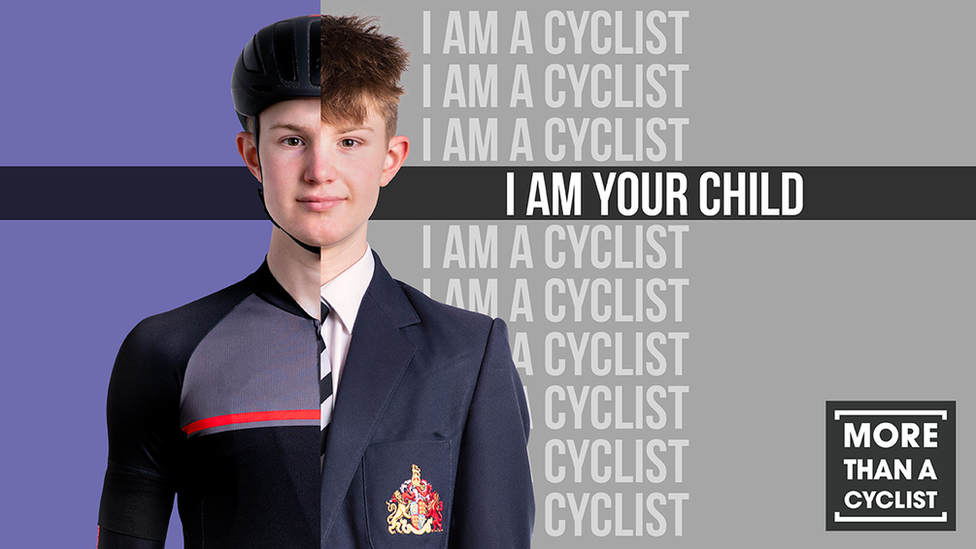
x,y
769,83
780,316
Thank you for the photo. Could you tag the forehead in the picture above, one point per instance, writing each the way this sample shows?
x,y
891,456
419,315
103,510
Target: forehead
x,y
354,109
338,124
307,112
303,111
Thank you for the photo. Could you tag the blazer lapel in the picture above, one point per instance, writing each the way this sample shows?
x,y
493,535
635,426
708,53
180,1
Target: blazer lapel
x,y
378,356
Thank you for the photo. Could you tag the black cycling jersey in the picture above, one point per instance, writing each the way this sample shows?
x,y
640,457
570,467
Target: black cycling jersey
x,y
217,401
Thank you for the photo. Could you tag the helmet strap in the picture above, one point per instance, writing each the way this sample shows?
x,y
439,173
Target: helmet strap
x,y
314,249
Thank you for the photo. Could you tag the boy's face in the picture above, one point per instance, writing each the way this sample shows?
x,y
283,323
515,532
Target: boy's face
x,y
322,181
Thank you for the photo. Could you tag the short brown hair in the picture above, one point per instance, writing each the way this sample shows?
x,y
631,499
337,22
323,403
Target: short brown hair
x,y
361,70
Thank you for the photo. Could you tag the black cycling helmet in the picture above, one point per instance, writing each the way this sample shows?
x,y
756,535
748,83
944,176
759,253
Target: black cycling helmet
x,y
282,61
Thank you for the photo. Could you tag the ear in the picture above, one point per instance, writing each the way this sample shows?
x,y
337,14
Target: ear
x,y
247,150
399,148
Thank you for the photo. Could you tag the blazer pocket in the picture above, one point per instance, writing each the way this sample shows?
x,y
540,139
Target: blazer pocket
x,y
409,487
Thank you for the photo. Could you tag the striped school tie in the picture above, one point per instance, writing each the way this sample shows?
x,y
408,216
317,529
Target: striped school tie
x,y
325,379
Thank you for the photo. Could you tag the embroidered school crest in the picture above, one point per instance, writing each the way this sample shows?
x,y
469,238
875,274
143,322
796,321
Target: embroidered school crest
x,y
415,508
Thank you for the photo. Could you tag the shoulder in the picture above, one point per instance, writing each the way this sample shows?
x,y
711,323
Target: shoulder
x,y
430,310
446,330
407,306
171,336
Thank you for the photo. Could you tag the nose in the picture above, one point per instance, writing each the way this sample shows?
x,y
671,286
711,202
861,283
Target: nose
x,y
320,164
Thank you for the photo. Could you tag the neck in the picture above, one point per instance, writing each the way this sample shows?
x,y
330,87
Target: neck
x,y
296,269
335,260
302,273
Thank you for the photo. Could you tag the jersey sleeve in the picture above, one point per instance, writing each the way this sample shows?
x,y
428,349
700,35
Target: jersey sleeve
x,y
494,484
144,440
113,540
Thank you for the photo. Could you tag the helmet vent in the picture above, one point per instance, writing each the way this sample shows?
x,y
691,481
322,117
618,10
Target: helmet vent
x,y
284,51
315,54
250,57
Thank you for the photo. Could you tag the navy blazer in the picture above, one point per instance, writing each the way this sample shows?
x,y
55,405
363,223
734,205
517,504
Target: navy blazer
x,y
432,386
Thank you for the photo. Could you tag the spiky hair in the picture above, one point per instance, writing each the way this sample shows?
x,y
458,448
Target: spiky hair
x,y
361,70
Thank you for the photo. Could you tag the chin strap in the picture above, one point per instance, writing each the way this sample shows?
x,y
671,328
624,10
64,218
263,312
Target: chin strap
x,y
314,249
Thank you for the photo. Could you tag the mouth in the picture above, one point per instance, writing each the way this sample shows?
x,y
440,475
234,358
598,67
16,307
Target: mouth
x,y
320,203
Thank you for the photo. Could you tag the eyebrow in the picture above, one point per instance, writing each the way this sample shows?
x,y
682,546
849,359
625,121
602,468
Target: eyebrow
x,y
305,129
354,128
290,127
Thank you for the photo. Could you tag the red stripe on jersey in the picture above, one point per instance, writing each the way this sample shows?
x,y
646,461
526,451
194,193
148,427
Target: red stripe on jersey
x,y
250,417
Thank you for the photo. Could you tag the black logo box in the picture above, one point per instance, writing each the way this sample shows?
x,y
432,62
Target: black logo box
x,y
904,502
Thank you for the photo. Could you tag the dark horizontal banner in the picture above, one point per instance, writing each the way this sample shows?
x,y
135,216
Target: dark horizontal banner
x,y
473,193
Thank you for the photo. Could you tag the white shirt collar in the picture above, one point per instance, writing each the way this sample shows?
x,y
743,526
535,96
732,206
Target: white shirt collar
x,y
345,292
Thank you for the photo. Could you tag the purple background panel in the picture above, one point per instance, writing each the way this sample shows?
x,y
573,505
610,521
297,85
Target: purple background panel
x,y
105,83
73,290
118,83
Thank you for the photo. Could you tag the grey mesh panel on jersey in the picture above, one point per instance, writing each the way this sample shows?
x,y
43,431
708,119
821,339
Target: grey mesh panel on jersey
x,y
252,382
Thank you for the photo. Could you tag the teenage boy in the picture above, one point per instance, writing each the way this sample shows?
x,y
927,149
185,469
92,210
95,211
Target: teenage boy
x,y
318,402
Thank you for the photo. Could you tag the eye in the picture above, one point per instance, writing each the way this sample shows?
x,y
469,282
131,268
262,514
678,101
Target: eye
x,y
348,142
292,141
